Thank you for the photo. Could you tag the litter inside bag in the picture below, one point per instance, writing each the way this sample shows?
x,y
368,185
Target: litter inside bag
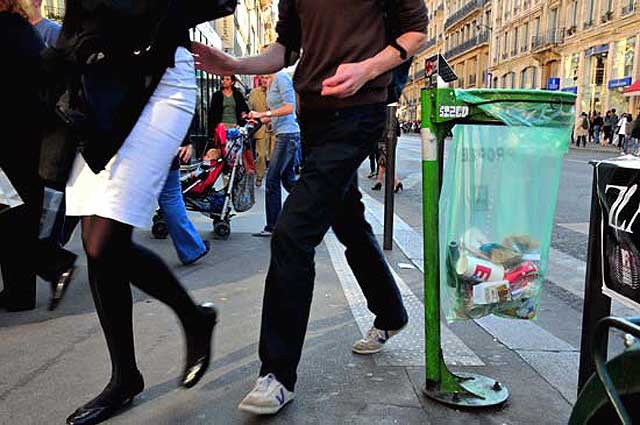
x,y
496,215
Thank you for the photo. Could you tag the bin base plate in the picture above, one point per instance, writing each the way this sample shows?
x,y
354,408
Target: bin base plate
x,y
480,391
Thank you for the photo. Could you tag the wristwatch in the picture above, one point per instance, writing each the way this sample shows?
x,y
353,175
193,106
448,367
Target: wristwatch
x,y
269,114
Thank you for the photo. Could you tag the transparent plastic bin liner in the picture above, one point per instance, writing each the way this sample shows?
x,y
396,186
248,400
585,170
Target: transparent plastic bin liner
x,y
497,206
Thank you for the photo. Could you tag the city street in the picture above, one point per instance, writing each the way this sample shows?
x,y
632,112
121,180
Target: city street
x,y
50,363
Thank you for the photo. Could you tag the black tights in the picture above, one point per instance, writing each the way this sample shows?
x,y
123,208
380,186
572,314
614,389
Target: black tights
x,y
114,261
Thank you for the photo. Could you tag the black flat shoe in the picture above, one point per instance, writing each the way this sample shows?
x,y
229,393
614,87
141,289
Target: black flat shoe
x,y
104,406
199,346
59,288
377,186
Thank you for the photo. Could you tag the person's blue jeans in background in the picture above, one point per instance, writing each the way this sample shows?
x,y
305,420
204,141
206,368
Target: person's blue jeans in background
x,y
188,243
596,131
281,171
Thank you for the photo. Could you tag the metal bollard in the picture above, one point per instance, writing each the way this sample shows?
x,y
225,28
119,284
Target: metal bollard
x,y
391,138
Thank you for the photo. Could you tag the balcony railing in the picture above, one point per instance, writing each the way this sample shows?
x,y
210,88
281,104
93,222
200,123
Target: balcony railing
x,y
482,37
551,38
430,43
463,12
629,8
55,13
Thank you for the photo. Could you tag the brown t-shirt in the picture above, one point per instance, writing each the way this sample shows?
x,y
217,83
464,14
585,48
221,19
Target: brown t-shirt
x,y
333,32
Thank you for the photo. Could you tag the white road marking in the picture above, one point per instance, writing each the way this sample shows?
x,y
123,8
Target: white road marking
x,y
406,348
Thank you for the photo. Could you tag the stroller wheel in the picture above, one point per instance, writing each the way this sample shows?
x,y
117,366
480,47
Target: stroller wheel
x,y
221,230
160,229
157,216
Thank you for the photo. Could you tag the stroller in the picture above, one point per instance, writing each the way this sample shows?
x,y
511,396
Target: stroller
x,y
232,162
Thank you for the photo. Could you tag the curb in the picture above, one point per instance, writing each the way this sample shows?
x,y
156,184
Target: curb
x,y
612,150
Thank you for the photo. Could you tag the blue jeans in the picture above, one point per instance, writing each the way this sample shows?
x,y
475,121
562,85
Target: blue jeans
x,y
188,243
281,171
596,132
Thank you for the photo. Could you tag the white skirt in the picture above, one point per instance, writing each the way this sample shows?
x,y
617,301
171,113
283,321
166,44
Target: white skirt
x,y
127,189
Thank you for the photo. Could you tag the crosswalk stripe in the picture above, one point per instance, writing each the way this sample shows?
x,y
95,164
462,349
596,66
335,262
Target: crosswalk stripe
x,y
406,348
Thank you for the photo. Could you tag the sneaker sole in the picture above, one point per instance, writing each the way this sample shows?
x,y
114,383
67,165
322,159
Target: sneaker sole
x,y
366,352
262,410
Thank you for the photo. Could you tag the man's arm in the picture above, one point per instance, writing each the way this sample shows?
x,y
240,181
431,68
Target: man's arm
x,y
350,77
215,61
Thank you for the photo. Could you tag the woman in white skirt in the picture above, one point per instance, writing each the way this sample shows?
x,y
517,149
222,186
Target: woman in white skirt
x,y
123,196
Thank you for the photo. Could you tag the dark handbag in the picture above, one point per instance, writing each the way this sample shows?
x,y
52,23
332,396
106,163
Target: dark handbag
x,y
59,146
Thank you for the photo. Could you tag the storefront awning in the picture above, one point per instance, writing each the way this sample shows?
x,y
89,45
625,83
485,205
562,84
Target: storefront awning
x,y
633,89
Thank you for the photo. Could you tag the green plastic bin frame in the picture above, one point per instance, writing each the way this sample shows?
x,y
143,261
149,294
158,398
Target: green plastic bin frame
x,y
441,111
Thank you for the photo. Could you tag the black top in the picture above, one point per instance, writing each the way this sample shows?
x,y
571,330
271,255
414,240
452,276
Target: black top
x,y
20,121
215,109
116,87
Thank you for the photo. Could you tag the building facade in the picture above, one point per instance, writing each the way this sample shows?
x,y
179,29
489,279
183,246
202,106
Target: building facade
x,y
588,47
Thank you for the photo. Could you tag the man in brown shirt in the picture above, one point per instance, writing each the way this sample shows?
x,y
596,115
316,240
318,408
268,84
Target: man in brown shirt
x,y
341,79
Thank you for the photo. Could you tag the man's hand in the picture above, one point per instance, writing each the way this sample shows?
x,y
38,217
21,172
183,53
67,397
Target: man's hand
x,y
184,153
348,79
211,60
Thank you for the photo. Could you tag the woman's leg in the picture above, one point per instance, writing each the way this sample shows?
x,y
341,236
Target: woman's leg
x,y
113,261
104,242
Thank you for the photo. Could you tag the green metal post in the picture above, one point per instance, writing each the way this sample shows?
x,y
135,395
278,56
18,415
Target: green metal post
x,y
441,384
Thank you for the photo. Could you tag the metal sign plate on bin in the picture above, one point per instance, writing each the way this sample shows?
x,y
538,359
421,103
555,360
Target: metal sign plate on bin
x,y
618,185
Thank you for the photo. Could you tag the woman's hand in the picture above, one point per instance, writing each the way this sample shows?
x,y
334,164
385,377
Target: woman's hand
x,y
348,79
184,153
211,60
253,115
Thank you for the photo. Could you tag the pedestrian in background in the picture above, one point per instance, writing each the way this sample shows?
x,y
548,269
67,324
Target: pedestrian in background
x,y
189,246
281,100
608,129
383,156
342,80
621,132
635,135
56,264
258,103
48,30
227,105
582,130
597,126
628,128
27,255
115,192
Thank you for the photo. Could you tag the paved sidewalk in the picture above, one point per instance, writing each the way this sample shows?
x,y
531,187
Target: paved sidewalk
x,y
50,363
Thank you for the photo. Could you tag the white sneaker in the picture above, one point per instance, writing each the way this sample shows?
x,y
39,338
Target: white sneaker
x,y
374,341
267,397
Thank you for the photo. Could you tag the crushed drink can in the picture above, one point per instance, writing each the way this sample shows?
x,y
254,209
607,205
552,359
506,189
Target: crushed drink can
x,y
479,270
524,270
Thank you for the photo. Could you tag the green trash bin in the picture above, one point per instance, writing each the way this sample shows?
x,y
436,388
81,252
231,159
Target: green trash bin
x,y
487,224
